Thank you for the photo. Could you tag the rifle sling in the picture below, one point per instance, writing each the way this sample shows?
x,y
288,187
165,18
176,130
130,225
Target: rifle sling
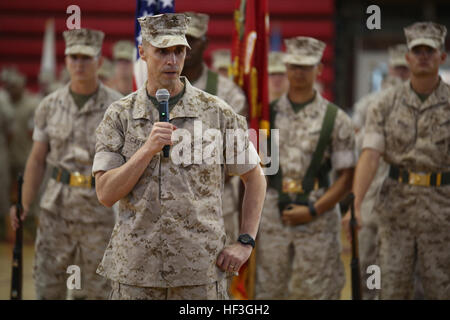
x,y
316,169
212,81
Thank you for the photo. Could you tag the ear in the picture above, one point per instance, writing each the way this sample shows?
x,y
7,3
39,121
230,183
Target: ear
x,y
319,68
141,52
408,57
443,56
100,61
205,42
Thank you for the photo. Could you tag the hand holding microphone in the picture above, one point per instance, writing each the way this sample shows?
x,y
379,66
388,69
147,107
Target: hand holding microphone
x,y
160,137
162,95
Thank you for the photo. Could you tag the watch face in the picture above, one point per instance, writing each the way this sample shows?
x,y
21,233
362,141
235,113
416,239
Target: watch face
x,y
246,238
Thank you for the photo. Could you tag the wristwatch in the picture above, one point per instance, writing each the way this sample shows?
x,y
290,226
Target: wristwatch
x,y
312,210
246,239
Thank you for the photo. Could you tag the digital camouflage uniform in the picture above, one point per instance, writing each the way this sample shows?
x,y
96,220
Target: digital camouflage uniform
x,y
221,59
74,227
170,231
414,220
303,261
21,131
233,95
5,124
227,90
276,69
368,234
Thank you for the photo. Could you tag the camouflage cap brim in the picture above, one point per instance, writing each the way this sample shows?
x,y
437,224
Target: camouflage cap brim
x,y
198,25
194,32
166,41
277,69
398,62
424,41
82,49
222,64
123,56
301,60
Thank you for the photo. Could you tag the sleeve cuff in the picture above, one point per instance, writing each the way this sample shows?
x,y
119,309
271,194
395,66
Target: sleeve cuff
x,y
343,159
104,161
39,135
374,141
249,160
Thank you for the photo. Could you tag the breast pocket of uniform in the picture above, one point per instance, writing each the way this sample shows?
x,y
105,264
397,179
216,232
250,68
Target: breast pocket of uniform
x,y
441,136
204,168
131,145
401,135
59,133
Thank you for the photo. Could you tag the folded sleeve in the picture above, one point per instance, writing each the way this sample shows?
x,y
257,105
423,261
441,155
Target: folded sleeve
x,y
240,154
343,153
40,122
110,140
374,137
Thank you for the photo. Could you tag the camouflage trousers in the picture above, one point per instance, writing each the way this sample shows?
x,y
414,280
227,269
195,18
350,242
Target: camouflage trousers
x,y
414,233
368,235
214,291
368,246
4,187
60,244
300,262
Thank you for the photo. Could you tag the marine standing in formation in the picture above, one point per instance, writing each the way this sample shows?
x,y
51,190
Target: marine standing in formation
x,y
368,235
298,253
74,227
409,128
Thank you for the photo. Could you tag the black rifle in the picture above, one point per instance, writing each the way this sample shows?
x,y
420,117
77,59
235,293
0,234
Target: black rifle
x,y
356,277
16,279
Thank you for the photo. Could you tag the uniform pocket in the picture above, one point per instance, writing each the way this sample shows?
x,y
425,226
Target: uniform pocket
x,y
131,145
441,136
59,134
402,132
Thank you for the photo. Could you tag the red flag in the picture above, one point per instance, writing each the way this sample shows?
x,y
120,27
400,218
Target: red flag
x,y
249,57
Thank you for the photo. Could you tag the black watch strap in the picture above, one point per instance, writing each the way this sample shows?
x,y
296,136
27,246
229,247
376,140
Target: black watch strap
x,y
312,210
246,239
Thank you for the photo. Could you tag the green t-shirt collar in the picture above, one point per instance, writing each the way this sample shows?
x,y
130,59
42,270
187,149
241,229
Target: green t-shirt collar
x,y
299,106
422,96
172,100
81,99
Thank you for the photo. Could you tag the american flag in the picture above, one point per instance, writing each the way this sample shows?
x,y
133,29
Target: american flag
x,y
147,8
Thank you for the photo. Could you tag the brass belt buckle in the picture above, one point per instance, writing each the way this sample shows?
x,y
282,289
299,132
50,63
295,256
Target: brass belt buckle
x,y
79,180
419,179
316,184
58,175
292,186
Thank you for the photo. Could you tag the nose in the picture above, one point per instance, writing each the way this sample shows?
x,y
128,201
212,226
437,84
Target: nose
x,y
172,58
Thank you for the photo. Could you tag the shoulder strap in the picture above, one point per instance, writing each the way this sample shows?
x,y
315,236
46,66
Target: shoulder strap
x,y
272,113
274,180
324,140
212,82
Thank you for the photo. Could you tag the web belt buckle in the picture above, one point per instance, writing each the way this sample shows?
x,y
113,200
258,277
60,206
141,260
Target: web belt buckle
x,y
418,179
79,180
292,186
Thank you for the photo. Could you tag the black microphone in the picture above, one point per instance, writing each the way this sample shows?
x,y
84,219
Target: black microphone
x,y
162,95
